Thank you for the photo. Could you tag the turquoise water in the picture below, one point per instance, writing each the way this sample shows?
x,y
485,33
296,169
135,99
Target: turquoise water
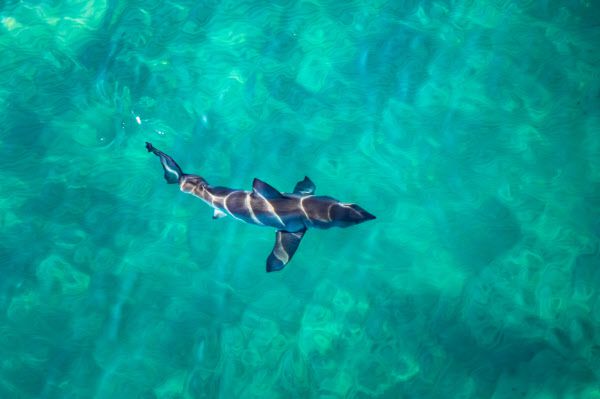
x,y
470,129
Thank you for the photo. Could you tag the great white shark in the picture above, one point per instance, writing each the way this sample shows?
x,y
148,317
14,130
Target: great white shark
x,y
290,213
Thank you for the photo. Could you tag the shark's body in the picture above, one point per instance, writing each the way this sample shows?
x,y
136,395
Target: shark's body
x,y
290,213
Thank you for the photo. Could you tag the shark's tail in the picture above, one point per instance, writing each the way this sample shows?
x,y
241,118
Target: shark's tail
x,y
172,171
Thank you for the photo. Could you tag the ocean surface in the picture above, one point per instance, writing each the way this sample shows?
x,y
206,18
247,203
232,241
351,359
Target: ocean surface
x,y
471,129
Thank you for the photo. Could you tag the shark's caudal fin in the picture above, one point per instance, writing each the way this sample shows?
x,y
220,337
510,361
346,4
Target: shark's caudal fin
x,y
286,244
172,171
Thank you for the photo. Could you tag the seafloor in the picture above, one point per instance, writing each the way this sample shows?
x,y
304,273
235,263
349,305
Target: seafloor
x,y
471,129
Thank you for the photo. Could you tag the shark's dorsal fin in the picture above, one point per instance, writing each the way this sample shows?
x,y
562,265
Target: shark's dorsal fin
x,y
305,186
263,189
285,247
218,214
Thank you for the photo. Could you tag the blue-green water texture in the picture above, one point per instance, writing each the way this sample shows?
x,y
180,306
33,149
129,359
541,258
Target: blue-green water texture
x,y
471,129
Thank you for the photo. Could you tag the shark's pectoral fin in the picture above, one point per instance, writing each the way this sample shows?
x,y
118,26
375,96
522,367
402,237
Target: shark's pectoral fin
x,y
305,186
218,214
265,190
286,244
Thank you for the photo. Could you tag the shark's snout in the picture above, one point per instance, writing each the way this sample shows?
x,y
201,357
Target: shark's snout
x,y
359,214
349,214
367,216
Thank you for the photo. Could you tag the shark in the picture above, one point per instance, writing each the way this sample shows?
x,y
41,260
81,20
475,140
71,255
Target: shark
x,y
291,214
